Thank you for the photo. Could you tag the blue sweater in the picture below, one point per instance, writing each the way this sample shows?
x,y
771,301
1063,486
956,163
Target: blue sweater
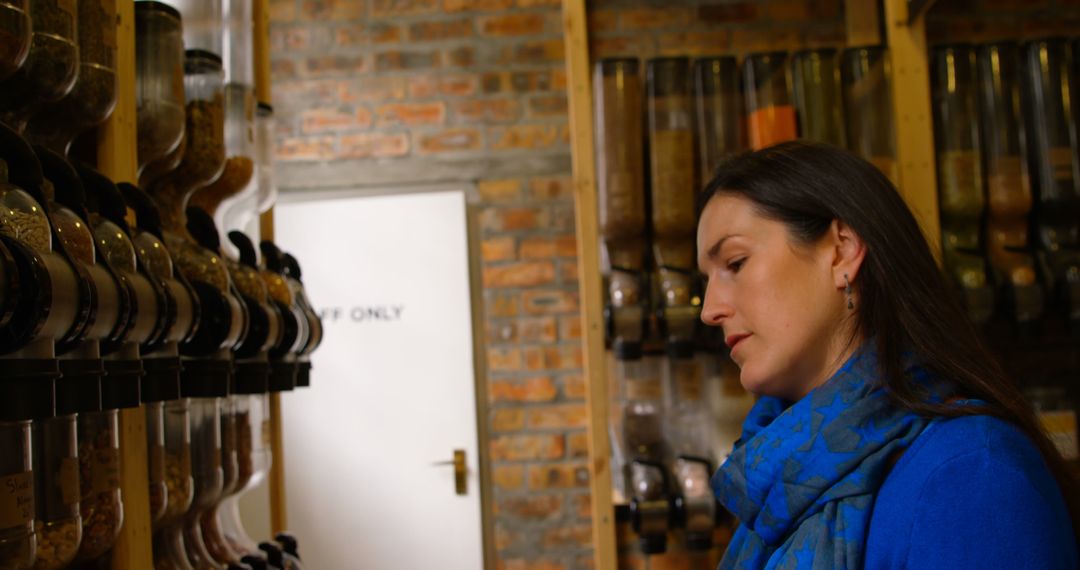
x,y
971,492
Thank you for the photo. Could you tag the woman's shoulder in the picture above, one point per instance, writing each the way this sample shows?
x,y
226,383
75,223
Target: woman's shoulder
x,y
971,489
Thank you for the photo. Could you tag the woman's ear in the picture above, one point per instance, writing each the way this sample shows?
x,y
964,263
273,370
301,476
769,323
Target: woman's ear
x,y
849,252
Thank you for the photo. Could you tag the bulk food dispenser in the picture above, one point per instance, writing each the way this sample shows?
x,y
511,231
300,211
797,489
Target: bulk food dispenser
x,y
51,65
816,90
865,75
15,25
159,88
686,417
622,212
721,127
1051,153
93,96
41,308
959,173
1008,188
770,115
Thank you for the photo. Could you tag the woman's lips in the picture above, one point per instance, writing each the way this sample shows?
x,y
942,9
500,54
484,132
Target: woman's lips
x,y
735,339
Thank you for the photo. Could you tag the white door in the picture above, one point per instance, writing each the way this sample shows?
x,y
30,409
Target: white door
x,y
393,387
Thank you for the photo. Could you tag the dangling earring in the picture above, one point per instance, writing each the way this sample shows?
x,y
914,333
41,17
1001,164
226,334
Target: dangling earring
x,y
847,291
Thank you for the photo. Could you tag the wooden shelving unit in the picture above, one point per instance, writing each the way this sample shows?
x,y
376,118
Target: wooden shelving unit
x,y
117,159
906,39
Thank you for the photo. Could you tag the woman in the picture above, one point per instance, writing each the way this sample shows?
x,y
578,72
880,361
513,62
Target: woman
x,y
887,436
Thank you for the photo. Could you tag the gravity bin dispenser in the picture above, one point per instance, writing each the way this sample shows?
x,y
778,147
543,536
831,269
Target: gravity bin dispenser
x,y
661,423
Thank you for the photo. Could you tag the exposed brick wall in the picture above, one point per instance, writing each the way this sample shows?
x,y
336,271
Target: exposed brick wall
x,y
978,21
397,92
394,92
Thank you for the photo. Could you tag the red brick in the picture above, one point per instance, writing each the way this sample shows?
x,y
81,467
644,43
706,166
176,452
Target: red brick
x,y
374,33
458,85
512,25
725,13
499,248
602,20
548,106
305,148
579,536
536,329
523,137
335,65
406,60
297,39
568,272
506,219
561,416
549,302
563,357
527,447
334,119
788,11
577,445
500,331
336,10
441,30
503,190
463,56
391,8
503,359
373,90
530,507
511,419
504,537
534,358
449,140
570,327
695,43
583,505
540,51
747,40
282,10
538,3
501,303
374,145
651,18
561,476
487,111
548,188
519,274
574,386
509,477
535,389
548,247
476,5
411,114
282,69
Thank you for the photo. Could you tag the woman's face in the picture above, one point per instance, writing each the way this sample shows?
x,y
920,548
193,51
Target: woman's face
x,y
781,304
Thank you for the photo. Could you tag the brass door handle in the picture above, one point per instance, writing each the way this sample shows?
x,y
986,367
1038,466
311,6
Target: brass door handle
x,y
460,471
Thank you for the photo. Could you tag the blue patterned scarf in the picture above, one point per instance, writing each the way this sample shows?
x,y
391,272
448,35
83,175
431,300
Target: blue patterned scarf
x,y
803,478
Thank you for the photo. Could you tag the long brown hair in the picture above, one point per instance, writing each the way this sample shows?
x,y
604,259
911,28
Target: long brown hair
x,y
905,301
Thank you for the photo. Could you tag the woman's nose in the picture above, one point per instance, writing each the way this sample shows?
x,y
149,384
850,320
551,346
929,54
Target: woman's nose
x,y
715,307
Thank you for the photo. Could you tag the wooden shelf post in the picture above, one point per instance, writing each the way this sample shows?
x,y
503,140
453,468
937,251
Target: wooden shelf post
x,y
912,116
579,90
117,160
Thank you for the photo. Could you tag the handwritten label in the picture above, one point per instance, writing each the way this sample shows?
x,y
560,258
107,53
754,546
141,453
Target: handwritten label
x,y
16,499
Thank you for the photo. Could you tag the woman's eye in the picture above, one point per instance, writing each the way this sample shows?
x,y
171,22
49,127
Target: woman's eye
x,y
734,265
